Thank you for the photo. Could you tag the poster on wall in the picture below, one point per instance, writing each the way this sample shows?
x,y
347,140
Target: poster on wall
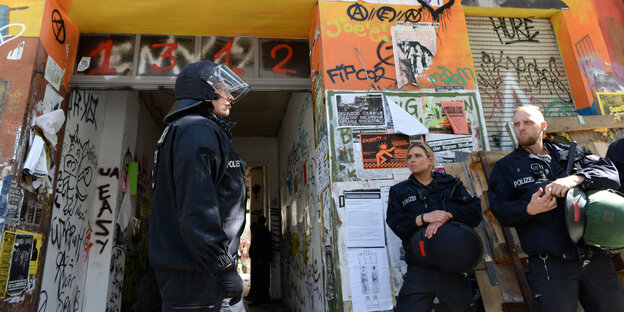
x,y
454,111
34,257
414,47
450,147
20,263
426,106
611,103
370,279
359,110
384,150
15,199
365,224
8,238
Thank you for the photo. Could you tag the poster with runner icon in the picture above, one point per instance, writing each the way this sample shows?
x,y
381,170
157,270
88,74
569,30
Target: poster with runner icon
x,y
384,150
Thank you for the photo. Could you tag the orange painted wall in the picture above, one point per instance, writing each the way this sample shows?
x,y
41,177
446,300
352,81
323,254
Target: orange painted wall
x,y
610,15
583,48
59,36
341,35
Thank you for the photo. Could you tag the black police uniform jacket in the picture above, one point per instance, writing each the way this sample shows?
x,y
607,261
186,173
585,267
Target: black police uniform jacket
x,y
615,153
512,184
410,198
198,208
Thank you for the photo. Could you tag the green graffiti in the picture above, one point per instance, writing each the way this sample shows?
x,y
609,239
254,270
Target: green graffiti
x,y
345,135
448,78
559,108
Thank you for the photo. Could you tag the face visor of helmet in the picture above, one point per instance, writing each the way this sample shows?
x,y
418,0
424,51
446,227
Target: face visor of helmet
x,y
226,83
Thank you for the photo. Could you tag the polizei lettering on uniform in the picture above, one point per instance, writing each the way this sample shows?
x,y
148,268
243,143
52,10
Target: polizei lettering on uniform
x,y
409,200
233,164
523,181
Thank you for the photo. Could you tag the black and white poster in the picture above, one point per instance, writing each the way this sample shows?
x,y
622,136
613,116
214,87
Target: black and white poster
x,y
359,110
20,263
414,48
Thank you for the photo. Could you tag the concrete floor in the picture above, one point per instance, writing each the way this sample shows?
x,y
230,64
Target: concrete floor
x,y
273,306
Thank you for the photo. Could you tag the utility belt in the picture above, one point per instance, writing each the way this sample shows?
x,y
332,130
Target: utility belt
x,y
584,254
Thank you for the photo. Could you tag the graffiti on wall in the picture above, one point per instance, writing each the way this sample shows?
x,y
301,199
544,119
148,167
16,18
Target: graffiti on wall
x,y
301,211
165,55
83,105
511,74
365,33
108,55
116,279
4,37
71,234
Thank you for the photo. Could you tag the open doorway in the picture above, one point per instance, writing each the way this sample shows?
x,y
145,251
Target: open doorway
x,y
258,117
105,168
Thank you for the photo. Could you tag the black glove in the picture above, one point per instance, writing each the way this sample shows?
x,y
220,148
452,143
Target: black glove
x,y
229,284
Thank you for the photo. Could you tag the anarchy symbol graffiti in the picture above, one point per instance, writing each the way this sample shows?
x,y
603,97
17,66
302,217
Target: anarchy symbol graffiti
x,y
58,26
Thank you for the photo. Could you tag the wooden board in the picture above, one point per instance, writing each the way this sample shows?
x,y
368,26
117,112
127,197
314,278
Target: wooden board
x,y
572,124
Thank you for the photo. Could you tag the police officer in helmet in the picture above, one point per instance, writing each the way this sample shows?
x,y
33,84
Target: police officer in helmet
x,y
198,209
527,190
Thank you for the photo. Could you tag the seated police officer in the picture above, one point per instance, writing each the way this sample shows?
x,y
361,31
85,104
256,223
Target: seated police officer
x,y
423,208
560,273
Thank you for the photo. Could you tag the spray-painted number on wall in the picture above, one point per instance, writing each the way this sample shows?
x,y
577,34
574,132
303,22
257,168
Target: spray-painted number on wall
x,y
167,55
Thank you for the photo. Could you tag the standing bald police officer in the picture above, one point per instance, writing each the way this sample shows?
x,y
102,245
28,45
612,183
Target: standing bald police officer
x,y
527,190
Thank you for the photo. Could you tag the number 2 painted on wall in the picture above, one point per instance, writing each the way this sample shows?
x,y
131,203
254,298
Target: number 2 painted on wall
x,y
278,67
165,55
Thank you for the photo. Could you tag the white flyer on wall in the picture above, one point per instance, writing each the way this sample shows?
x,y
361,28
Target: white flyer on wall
x,y
450,147
365,224
370,279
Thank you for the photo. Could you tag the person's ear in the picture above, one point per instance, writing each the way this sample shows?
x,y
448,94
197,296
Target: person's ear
x,y
544,125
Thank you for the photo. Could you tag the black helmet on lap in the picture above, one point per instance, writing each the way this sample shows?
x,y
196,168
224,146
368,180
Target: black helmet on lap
x,y
455,247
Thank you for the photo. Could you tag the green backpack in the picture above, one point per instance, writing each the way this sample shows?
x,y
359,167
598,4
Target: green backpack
x,y
596,216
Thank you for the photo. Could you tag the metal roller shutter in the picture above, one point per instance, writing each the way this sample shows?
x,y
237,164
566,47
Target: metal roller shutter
x,y
517,62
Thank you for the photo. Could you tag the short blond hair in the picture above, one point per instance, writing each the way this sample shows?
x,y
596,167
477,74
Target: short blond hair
x,y
531,107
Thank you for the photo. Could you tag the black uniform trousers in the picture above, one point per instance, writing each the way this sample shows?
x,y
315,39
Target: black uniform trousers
x,y
560,284
192,292
423,283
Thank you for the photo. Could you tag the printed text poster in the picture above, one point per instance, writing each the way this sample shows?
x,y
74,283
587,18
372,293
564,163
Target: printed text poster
x,y
365,222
